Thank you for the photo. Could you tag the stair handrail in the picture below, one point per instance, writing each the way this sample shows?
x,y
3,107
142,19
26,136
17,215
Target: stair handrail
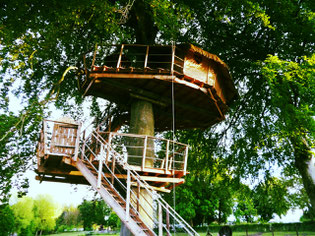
x,y
150,190
117,179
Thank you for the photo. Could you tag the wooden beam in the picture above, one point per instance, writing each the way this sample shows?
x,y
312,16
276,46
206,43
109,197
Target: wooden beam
x,y
95,75
162,179
150,95
148,99
62,180
134,184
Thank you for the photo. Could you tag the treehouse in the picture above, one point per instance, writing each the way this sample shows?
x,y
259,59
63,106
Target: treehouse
x,y
177,87
198,82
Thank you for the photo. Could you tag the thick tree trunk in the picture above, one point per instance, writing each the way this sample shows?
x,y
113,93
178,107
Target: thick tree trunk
x,y
141,122
303,162
142,119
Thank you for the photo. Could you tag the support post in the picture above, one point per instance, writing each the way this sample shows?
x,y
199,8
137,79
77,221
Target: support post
x,y
167,153
128,196
167,221
77,143
144,151
146,57
160,220
45,136
120,56
173,59
138,196
185,160
108,147
100,166
113,168
83,149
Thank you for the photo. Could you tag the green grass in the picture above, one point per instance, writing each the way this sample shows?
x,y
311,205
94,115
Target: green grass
x,y
291,233
78,234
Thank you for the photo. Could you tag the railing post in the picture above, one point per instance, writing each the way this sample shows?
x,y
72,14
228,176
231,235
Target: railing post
x,y
144,151
77,143
128,196
120,56
146,57
173,59
167,220
100,166
108,147
167,151
160,220
83,146
185,160
138,196
45,136
113,168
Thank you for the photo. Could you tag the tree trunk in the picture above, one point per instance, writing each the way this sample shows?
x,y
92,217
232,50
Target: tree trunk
x,y
303,162
142,119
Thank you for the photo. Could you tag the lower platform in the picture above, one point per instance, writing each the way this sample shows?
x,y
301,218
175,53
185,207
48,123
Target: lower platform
x,y
62,169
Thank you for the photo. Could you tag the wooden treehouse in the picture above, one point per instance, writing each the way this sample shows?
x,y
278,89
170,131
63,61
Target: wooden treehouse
x,y
183,86
203,87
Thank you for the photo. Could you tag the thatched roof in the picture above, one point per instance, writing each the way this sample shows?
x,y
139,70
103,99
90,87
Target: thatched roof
x,y
203,53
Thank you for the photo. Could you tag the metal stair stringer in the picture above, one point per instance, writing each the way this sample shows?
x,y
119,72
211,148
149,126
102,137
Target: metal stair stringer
x,y
109,199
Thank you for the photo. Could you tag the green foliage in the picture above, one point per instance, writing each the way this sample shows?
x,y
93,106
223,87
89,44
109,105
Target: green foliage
x,y
245,210
93,212
292,87
266,227
270,198
24,214
37,215
69,219
45,212
113,221
207,195
7,220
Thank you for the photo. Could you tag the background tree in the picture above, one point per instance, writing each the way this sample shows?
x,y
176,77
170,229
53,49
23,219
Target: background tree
x,y
271,197
93,212
207,195
69,218
244,209
24,215
272,123
113,221
7,220
46,212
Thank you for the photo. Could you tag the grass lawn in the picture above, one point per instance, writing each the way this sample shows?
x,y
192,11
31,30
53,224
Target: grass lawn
x,y
203,234
77,234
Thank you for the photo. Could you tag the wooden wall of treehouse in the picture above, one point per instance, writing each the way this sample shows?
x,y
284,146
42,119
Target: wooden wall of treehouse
x,y
205,70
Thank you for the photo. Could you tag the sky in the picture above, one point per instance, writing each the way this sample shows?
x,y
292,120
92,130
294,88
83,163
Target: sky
x,y
63,193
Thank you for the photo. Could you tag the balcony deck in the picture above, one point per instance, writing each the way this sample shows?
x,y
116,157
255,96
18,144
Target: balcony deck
x,y
160,74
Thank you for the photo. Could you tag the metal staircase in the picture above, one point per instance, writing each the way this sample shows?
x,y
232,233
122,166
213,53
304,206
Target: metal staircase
x,y
137,204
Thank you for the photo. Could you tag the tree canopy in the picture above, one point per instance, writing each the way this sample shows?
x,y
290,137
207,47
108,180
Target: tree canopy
x,y
268,45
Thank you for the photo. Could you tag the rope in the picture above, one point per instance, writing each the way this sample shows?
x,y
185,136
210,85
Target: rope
x,y
173,129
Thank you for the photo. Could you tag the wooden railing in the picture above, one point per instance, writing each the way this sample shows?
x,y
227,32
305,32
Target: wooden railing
x,y
59,138
133,58
148,151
